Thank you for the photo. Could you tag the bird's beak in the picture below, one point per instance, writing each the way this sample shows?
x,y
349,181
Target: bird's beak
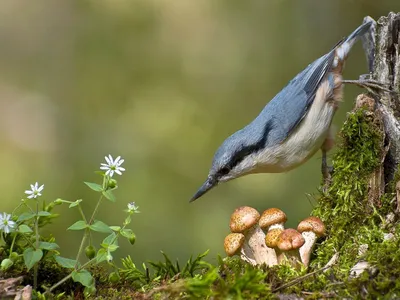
x,y
207,185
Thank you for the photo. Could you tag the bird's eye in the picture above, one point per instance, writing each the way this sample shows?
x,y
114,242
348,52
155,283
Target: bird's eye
x,y
224,171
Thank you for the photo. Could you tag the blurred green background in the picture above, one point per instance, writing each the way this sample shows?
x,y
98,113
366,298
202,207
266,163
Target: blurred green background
x,y
161,83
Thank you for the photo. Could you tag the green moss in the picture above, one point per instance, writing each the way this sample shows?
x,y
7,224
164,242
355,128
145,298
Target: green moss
x,y
343,207
352,220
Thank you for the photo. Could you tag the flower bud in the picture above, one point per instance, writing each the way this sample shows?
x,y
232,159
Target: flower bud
x,y
89,291
6,263
112,183
132,238
14,256
58,201
113,277
90,252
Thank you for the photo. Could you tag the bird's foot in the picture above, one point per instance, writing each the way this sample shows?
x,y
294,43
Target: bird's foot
x,y
371,85
327,177
326,171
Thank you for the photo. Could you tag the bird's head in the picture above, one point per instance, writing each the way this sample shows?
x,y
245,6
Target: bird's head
x,y
232,160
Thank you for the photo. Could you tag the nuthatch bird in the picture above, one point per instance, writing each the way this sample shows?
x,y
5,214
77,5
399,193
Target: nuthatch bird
x,y
292,127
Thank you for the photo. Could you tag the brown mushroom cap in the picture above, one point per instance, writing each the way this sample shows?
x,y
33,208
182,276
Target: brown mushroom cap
x,y
233,242
272,237
243,218
313,224
272,216
290,239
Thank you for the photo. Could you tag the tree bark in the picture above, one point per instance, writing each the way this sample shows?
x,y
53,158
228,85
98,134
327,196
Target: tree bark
x,y
386,69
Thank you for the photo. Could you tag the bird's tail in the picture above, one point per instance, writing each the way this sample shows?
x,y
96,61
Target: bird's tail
x,y
344,47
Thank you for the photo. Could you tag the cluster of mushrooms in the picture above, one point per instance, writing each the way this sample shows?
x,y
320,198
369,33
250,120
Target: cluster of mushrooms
x,y
264,240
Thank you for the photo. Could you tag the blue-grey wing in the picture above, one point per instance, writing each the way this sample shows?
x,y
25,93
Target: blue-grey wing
x,y
288,108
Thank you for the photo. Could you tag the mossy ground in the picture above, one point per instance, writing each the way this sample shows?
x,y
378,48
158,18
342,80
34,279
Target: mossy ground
x,y
352,220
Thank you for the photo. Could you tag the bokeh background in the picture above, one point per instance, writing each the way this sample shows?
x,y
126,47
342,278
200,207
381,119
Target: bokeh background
x,y
161,83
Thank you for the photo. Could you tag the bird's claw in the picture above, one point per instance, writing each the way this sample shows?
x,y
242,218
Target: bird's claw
x,y
370,84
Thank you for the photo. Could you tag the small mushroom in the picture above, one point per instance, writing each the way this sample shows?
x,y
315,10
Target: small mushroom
x,y
289,242
272,218
310,228
245,220
271,240
234,245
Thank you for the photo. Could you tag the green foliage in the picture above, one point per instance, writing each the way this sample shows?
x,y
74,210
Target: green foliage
x,y
66,262
198,279
23,237
84,277
32,256
132,274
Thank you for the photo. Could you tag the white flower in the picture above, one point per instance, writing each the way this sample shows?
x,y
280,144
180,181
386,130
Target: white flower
x,y
112,165
132,207
35,190
6,224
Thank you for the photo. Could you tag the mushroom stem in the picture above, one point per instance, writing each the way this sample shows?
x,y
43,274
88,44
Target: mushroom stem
x,y
311,228
255,238
306,250
276,226
234,244
280,255
246,254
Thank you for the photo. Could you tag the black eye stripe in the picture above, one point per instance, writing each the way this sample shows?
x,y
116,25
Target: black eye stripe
x,y
224,171
244,151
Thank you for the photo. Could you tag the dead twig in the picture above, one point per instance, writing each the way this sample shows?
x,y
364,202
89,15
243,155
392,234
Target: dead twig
x,y
330,263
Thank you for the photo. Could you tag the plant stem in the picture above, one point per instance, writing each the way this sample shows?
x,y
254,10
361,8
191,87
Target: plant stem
x,y
95,210
82,213
81,247
69,276
12,244
85,235
36,266
28,241
15,209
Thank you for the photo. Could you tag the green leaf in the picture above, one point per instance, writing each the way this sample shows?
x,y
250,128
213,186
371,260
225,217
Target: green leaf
x,y
43,213
128,220
24,229
94,186
76,203
99,226
48,246
84,277
65,262
79,225
101,255
109,195
110,240
112,248
126,233
31,257
115,228
25,216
